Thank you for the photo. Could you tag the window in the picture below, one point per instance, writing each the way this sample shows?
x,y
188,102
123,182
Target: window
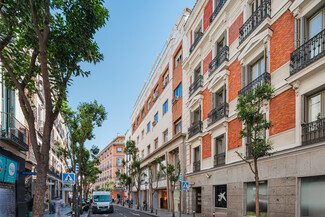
x,y
138,120
178,91
197,73
165,107
316,106
110,151
142,154
165,135
110,163
133,127
197,154
221,196
250,198
138,140
148,127
178,127
119,171
198,32
148,149
119,150
316,23
220,150
156,117
165,81
149,104
156,143
118,162
196,115
218,98
142,113
178,58
312,196
142,134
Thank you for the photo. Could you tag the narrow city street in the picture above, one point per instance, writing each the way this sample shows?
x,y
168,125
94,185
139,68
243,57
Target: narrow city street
x,y
120,211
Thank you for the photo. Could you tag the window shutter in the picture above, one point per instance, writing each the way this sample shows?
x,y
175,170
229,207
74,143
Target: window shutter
x,y
304,109
213,101
224,94
200,118
265,59
304,30
244,76
192,118
225,38
297,32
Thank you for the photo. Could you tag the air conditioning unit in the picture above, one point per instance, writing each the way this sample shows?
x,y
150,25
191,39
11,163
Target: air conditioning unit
x,y
175,99
154,123
164,84
155,96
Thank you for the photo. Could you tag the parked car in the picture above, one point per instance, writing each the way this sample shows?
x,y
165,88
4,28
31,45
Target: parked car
x,y
101,202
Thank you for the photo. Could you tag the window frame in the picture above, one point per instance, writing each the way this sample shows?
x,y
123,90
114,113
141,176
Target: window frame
x,y
156,117
177,126
165,107
178,58
148,127
216,196
178,91
117,148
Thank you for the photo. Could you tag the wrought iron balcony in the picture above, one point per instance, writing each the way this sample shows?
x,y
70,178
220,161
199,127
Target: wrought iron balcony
x,y
196,41
196,85
218,113
217,10
219,159
196,166
264,78
13,132
313,132
261,13
195,129
219,59
308,53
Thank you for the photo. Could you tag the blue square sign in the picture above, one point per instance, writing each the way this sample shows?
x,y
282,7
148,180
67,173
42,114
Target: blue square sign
x,y
68,178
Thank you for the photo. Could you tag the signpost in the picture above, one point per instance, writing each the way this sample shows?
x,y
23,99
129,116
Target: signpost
x,y
68,178
77,204
185,186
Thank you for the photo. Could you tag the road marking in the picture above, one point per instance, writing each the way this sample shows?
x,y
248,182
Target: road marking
x,y
135,214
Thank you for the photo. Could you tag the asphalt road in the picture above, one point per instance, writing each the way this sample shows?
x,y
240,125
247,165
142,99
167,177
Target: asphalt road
x,y
120,212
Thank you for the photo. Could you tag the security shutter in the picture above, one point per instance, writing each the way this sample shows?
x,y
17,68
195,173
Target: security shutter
x,y
213,101
244,76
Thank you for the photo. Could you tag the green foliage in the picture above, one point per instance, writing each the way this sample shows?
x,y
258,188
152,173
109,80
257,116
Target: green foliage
x,y
250,112
109,185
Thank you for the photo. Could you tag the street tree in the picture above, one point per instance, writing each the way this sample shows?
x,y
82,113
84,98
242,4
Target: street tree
x,y
172,172
48,39
109,185
255,124
136,169
153,189
125,180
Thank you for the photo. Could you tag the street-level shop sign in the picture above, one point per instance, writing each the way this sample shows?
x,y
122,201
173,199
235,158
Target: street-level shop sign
x,y
8,170
68,178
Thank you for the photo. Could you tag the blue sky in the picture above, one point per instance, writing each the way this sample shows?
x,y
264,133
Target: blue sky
x,y
130,42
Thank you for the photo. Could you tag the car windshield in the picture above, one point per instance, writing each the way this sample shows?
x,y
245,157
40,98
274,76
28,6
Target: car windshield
x,y
102,198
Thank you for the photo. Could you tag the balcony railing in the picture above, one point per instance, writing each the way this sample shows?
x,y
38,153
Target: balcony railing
x,y
196,85
196,166
308,53
13,131
219,159
218,113
195,129
196,41
261,13
219,59
217,10
264,78
313,132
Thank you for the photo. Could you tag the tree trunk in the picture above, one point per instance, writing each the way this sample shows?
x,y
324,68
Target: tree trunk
x,y
74,200
172,201
257,189
138,199
40,188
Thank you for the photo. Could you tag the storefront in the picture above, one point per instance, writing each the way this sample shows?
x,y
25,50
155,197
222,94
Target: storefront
x,y
12,185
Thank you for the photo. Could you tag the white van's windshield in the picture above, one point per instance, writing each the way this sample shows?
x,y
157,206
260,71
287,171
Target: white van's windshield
x,y
102,198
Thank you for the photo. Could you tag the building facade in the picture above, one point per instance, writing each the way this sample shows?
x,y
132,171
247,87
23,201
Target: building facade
x,y
111,158
157,121
229,47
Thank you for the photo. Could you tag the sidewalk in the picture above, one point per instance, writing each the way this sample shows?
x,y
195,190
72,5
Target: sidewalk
x,y
160,213
64,212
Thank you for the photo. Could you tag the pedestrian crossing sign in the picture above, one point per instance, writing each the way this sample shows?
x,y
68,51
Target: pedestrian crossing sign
x,y
68,178
185,186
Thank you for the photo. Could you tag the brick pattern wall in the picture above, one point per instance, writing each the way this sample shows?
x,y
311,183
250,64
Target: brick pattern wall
x,y
177,79
206,62
234,128
206,103
282,112
282,41
206,146
208,10
234,29
234,80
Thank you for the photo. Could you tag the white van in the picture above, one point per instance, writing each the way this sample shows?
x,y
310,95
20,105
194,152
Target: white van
x,y
102,202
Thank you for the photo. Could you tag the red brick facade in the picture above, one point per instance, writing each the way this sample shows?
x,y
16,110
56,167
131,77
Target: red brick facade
x,y
234,80
207,14
206,62
234,128
282,112
282,41
206,103
177,80
206,146
234,29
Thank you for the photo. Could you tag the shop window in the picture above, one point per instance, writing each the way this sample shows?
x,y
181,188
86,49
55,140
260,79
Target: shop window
x,y
221,196
250,198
